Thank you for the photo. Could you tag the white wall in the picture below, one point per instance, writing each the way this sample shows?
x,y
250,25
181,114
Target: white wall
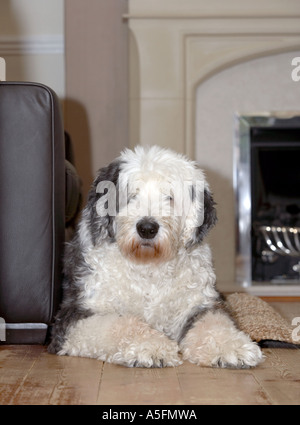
x,y
32,41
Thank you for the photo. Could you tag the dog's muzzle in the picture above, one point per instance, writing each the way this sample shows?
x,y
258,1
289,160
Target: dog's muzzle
x,y
147,229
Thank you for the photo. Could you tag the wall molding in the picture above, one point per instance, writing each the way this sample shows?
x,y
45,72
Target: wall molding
x,y
33,45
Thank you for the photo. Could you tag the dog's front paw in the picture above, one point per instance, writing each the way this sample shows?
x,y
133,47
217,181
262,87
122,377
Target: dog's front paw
x,y
239,353
139,345
216,343
156,352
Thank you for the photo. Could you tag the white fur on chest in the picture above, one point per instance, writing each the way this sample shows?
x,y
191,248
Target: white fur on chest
x,y
162,295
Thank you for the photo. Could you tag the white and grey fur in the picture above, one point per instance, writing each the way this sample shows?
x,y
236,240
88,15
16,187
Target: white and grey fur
x,y
147,301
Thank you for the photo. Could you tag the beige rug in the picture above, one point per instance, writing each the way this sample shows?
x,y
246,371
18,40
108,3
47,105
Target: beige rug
x,y
260,321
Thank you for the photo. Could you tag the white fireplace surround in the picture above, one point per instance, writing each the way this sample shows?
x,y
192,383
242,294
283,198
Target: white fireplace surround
x,y
193,66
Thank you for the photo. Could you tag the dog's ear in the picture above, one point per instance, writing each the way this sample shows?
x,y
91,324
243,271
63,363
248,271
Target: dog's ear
x,y
209,219
104,188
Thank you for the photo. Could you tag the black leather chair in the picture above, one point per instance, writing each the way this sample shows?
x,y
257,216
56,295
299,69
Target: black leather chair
x,y
39,197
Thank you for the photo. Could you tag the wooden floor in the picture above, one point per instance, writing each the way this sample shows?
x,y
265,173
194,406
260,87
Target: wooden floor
x,y
29,375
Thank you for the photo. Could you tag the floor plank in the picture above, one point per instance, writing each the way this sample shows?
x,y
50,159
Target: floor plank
x,y
122,385
15,365
220,386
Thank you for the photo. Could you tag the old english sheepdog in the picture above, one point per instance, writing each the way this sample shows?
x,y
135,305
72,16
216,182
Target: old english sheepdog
x,y
139,285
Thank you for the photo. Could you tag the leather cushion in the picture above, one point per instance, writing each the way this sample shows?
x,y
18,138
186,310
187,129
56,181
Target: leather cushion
x,y
32,196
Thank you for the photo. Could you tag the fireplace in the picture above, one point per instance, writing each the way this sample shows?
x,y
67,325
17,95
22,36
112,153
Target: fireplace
x,y
267,186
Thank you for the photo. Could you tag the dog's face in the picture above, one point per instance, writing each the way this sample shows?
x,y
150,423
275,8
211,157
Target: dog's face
x,y
151,202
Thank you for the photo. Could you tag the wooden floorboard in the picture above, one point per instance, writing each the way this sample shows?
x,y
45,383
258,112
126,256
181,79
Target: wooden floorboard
x,y
31,376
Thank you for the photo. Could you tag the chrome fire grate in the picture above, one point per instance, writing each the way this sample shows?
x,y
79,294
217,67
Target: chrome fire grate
x,y
281,240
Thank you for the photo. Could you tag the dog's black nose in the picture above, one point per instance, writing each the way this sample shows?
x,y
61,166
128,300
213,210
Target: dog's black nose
x,y
147,229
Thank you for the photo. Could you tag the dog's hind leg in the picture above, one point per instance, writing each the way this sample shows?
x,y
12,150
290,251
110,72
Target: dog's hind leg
x,y
214,340
124,340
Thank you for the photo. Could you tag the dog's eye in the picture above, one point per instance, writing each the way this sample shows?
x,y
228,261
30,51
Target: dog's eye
x,y
169,198
132,197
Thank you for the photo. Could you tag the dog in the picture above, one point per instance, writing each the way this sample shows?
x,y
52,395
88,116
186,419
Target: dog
x,y
139,284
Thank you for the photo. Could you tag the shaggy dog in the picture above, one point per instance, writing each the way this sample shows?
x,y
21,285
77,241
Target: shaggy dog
x,y
139,285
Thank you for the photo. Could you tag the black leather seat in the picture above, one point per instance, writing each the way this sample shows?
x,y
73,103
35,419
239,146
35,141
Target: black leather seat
x,y
33,214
